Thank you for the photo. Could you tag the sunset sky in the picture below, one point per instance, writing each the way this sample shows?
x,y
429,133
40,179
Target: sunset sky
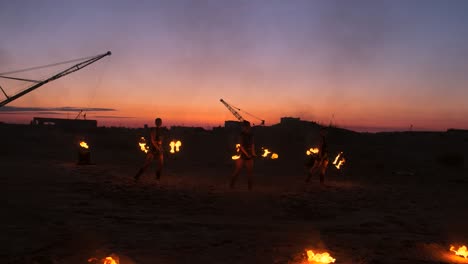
x,y
368,65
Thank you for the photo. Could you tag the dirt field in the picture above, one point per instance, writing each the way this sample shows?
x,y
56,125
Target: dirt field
x,y
400,198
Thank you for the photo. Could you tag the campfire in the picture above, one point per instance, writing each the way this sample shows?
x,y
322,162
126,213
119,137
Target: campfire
x,y
267,152
339,160
237,156
319,257
461,251
106,260
143,146
175,146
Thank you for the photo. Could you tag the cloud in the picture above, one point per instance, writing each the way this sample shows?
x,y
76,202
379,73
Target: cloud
x,y
16,109
104,116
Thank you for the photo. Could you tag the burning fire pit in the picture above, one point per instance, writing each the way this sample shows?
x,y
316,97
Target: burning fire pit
x,y
84,154
461,251
106,260
319,257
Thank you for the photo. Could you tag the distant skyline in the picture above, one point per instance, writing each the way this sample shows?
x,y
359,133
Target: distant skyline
x,y
360,64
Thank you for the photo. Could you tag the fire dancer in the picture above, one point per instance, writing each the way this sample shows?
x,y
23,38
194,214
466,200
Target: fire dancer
x,y
155,152
247,153
321,162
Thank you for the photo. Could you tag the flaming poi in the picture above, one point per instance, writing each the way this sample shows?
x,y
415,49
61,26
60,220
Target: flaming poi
x,y
461,251
237,156
339,160
143,146
319,257
312,151
267,152
175,146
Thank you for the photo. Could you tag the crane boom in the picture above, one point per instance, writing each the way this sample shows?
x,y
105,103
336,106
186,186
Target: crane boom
x,y
38,84
233,111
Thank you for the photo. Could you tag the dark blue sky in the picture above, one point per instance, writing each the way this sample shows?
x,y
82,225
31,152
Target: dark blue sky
x,y
371,63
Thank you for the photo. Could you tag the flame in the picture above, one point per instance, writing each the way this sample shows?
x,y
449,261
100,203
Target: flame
x,y
339,160
462,251
319,257
236,157
265,152
143,145
312,151
84,145
106,260
175,146
109,260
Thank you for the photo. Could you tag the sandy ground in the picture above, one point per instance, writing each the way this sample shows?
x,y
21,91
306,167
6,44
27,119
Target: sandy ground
x,y
58,212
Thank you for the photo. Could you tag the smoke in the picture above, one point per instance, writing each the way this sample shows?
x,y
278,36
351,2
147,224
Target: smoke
x,y
354,33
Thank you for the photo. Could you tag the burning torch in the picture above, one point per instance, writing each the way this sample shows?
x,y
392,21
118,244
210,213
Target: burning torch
x,y
84,153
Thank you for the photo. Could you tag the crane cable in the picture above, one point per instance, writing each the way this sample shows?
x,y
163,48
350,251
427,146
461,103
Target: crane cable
x,y
45,66
238,109
37,68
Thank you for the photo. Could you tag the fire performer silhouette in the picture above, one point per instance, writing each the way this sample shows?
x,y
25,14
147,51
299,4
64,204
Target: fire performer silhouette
x,y
155,151
321,161
247,153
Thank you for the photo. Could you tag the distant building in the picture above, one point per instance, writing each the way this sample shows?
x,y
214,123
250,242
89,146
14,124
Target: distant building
x,y
230,124
290,120
71,124
457,131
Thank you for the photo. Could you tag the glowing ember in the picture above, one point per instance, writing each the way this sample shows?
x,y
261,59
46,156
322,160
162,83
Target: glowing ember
x,y
143,145
84,145
462,251
274,156
175,146
312,151
236,157
106,260
339,160
319,257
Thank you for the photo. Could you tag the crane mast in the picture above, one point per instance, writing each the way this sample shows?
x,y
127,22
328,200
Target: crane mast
x,y
237,115
38,84
233,111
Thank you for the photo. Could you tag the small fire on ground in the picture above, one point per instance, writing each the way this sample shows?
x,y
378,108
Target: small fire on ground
x,y
319,257
461,251
339,160
143,146
106,260
175,146
83,144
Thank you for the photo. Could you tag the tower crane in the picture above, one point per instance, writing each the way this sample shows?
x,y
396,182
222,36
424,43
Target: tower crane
x,y
234,110
38,84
